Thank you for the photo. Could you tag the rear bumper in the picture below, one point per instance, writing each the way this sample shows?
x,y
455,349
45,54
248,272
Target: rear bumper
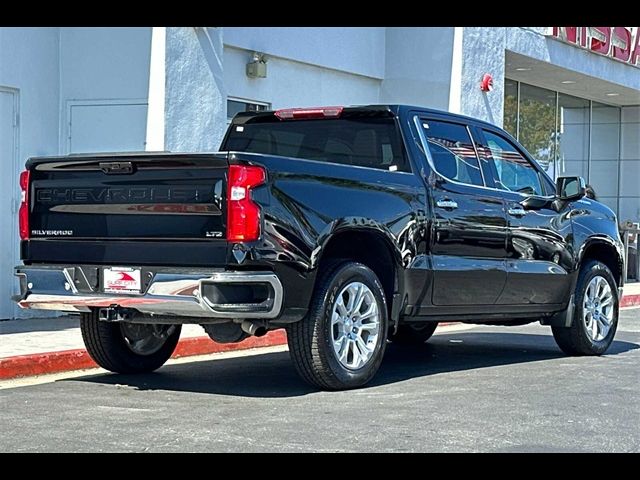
x,y
170,292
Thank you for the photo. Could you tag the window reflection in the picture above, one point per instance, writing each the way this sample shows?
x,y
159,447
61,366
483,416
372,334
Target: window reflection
x,y
537,124
515,173
573,136
452,152
511,107
579,137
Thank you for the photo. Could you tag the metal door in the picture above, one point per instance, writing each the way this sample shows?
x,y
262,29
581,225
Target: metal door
x,y
9,199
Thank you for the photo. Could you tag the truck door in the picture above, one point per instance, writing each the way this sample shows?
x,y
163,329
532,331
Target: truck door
x,y
469,229
538,241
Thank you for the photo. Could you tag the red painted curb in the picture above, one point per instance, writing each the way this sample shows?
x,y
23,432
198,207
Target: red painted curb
x,y
204,345
67,360
630,301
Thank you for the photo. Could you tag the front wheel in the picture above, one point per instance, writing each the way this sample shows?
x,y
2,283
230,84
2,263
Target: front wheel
x,y
341,342
595,315
128,347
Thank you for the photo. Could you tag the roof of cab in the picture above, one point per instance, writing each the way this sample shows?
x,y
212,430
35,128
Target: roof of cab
x,y
365,110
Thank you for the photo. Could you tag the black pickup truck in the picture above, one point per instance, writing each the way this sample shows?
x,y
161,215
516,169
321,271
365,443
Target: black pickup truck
x,y
348,226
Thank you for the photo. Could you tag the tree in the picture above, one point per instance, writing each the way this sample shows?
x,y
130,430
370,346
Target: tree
x,y
537,127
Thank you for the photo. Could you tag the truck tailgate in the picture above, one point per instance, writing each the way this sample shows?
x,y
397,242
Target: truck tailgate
x,y
133,199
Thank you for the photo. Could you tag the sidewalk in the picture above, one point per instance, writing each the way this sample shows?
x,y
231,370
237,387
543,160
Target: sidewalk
x,y
50,345
39,346
631,295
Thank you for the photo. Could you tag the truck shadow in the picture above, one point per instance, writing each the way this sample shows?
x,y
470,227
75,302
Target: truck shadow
x,y
272,375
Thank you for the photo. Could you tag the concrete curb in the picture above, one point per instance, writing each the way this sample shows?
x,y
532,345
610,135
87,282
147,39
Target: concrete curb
x,y
630,301
68,360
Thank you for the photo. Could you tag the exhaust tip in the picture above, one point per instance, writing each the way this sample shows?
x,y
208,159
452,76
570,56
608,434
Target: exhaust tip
x,y
260,332
254,328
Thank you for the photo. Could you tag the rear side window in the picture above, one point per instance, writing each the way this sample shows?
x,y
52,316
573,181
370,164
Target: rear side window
x,y
515,173
452,151
363,142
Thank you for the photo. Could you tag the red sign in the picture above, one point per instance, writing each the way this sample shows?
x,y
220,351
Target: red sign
x,y
619,43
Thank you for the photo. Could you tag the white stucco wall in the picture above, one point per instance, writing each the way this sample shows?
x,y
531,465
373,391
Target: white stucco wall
x,y
104,63
483,52
29,62
418,66
195,98
97,64
294,84
358,50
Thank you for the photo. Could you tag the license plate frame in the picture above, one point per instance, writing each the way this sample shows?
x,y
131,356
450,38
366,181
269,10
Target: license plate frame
x,y
123,280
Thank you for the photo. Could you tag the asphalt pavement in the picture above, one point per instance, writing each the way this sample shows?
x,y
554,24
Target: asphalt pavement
x,y
492,389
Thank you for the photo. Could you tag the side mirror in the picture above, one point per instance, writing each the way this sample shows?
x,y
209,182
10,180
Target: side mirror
x,y
570,188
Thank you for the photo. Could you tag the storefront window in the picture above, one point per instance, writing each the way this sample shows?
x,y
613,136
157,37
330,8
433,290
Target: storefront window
x,y
569,135
605,152
573,136
537,124
511,107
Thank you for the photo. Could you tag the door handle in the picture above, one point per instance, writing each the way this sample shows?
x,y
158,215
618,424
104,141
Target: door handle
x,y
446,203
517,211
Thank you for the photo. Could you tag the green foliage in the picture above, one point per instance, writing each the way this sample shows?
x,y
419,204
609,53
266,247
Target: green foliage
x,y
537,126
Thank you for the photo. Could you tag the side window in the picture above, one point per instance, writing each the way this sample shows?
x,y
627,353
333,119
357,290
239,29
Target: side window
x,y
452,151
515,173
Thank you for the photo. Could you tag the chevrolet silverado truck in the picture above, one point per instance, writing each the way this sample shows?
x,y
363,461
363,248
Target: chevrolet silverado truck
x,y
351,227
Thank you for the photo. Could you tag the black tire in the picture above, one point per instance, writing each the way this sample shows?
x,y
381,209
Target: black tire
x,y
575,340
108,346
413,333
310,340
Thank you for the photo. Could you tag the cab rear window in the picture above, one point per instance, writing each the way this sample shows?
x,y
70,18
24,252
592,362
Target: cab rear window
x,y
362,142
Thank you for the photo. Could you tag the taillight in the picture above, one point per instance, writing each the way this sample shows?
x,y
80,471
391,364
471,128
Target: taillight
x,y
23,215
243,214
302,113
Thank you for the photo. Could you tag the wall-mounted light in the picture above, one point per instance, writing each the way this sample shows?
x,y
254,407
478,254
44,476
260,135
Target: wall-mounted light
x,y
257,67
486,84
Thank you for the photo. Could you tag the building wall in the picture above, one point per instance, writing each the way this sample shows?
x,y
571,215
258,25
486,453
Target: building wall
x,y
483,52
104,64
291,83
195,98
29,62
358,50
630,164
418,66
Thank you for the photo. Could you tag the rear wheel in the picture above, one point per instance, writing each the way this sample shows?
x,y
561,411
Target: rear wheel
x,y
341,342
128,347
413,333
595,315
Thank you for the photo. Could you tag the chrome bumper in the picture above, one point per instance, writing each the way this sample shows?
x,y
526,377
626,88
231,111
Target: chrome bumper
x,y
167,293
